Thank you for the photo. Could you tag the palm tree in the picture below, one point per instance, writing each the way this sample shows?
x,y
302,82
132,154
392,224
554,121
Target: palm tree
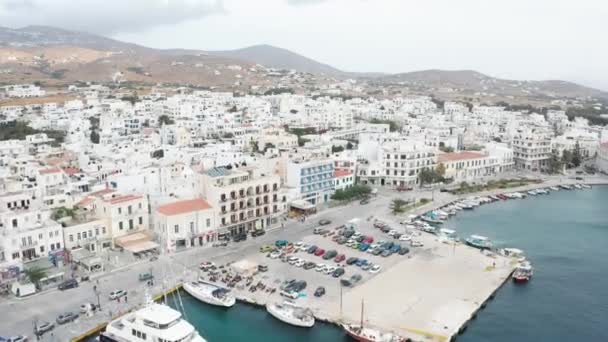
x,y
397,206
35,274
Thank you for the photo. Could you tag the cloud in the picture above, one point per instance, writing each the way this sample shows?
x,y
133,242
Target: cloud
x,y
304,2
105,16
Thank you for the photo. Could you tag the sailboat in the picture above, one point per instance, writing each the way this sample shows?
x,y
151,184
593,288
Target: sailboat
x,y
361,333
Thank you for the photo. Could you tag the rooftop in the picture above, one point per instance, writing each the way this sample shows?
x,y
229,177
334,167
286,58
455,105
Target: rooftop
x,y
455,156
342,173
182,207
123,198
48,171
219,172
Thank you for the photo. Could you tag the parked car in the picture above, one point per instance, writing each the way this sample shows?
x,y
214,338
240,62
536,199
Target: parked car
x,y
396,248
363,247
263,268
367,266
44,327
377,251
416,243
360,238
364,201
339,258
297,286
239,237
341,240
312,249
309,265
324,222
319,252
66,317
405,237
145,276
266,249
404,250
320,291
338,272
117,294
379,224
287,283
368,239
68,284
385,253
281,243
317,230
20,338
274,255
330,254
258,232
206,265
86,307
351,260
299,263
361,262
375,269
330,269
348,233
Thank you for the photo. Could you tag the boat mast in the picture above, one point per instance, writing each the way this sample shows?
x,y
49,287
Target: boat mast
x,y
361,313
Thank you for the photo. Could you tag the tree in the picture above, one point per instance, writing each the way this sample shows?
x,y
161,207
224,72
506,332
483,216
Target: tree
x,y
427,176
556,164
268,145
158,154
349,146
62,212
35,274
354,192
397,206
440,171
233,109
302,141
567,157
336,149
165,120
577,157
94,137
254,146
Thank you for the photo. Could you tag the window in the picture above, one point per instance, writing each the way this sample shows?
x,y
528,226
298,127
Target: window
x,y
78,236
96,231
84,235
58,245
39,236
120,225
119,210
90,233
41,249
139,205
191,227
15,256
103,230
50,234
71,237
208,223
130,224
130,210
52,247
176,228
141,220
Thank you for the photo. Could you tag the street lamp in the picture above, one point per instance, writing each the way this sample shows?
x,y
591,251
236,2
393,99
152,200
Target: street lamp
x,y
97,294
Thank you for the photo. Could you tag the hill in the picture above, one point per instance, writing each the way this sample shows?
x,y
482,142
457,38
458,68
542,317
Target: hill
x,y
275,57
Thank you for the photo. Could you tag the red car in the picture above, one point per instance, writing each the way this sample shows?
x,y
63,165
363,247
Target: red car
x,y
319,252
339,258
368,239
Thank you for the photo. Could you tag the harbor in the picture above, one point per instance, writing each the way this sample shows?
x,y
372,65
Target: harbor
x,y
412,310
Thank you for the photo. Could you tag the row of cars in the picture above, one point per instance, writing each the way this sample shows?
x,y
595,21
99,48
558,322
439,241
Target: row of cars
x,y
365,243
406,237
291,289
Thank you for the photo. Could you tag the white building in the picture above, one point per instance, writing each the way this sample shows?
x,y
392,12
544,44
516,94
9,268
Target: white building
x,y
312,179
186,223
532,149
23,90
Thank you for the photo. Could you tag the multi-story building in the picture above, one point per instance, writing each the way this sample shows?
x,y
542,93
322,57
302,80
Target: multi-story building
x,y
532,149
343,179
27,231
184,224
245,198
312,179
86,231
602,158
23,90
401,162
468,166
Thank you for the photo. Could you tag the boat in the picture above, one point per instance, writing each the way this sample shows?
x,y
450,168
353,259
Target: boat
x,y
361,333
523,272
565,187
554,188
586,186
514,253
153,322
292,314
431,220
447,235
577,186
532,192
210,294
479,241
502,197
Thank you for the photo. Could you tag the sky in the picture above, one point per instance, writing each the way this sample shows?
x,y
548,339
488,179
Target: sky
x,y
515,39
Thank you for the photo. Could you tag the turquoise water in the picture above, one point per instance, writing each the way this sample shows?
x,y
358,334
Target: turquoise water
x,y
564,234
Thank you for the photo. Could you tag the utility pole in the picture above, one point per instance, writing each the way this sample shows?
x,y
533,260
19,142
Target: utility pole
x,y
97,294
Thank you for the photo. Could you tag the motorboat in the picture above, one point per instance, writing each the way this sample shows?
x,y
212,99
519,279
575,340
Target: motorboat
x,y
292,314
514,253
431,219
577,186
565,187
153,322
586,186
447,235
210,293
523,272
532,192
554,188
479,241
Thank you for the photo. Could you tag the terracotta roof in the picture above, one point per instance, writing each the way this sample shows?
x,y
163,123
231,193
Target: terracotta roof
x,y
101,192
342,173
84,202
120,199
182,207
47,171
604,145
454,156
71,170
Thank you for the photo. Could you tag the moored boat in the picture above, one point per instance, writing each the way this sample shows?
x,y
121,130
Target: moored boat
x,y
578,186
586,186
565,187
523,272
210,294
291,314
361,333
479,241
554,188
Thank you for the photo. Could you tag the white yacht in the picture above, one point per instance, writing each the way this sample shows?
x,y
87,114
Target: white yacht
x,y
210,294
154,322
291,314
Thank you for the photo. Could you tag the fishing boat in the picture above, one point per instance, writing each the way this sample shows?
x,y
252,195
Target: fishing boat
x,y
361,333
514,253
523,272
291,314
586,186
577,186
532,192
447,235
432,220
554,188
479,241
210,294
565,187
153,322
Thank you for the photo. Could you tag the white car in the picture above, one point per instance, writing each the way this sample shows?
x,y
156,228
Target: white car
x,y
356,235
275,255
375,269
329,269
392,232
293,261
290,294
299,263
304,247
298,244
117,294
405,237
414,243
86,307
320,268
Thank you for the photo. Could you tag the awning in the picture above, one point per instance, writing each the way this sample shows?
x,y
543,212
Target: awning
x,y
302,205
136,242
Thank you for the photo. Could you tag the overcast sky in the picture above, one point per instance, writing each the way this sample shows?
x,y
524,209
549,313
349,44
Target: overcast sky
x,y
519,39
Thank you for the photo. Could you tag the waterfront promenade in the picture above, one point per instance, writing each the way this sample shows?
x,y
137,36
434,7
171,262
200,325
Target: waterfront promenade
x,y
396,292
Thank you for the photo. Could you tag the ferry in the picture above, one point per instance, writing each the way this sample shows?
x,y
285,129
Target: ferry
x,y
479,241
291,314
210,294
523,272
154,322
